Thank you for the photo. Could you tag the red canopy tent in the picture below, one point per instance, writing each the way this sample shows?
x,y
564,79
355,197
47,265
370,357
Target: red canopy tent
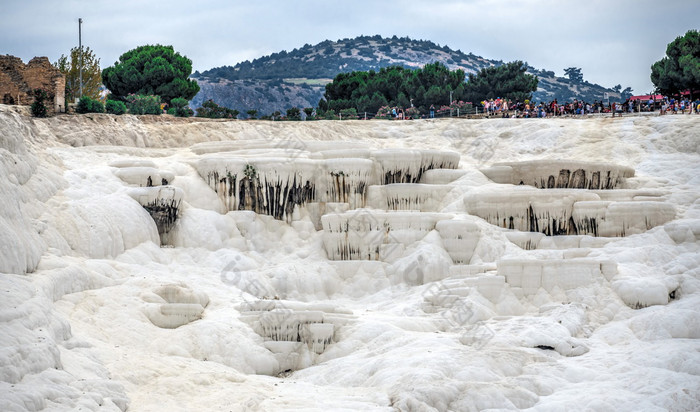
x,y
646,97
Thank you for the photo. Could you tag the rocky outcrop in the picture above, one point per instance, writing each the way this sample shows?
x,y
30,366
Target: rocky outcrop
x,y
265,96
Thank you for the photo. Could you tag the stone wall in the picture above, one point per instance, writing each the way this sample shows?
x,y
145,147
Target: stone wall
x,y
17,80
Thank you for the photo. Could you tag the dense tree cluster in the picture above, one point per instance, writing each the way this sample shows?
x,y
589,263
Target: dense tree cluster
x,y
505,81
394,86
679,71
433,85
151,70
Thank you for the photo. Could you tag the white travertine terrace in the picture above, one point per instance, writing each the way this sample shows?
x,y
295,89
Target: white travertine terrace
x,y
322,298
560,174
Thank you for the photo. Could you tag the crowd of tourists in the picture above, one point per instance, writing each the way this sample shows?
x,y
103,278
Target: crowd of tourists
x,y
683,105
507,108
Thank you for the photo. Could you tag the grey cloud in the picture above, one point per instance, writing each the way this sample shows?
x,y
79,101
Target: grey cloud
x,y
612,42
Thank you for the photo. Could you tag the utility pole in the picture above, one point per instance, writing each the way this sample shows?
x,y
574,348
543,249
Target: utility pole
x,y
80,50
450,103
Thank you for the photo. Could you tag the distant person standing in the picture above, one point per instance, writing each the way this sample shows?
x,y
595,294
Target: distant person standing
x,y
432,111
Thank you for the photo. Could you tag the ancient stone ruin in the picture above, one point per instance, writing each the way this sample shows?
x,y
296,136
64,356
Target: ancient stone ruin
x,y
17,80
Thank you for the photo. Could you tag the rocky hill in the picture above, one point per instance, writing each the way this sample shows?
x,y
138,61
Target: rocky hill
x,y
297,78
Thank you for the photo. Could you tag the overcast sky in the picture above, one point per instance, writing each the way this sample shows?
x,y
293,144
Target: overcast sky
x,y
612,41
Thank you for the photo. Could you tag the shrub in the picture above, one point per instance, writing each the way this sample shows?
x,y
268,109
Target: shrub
x,y
461,107
39,109
309,113
443,111
179,108
143,104
385,113
348,114
212,110
87,104
181,112
293,113
412,113
115,107
329,115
